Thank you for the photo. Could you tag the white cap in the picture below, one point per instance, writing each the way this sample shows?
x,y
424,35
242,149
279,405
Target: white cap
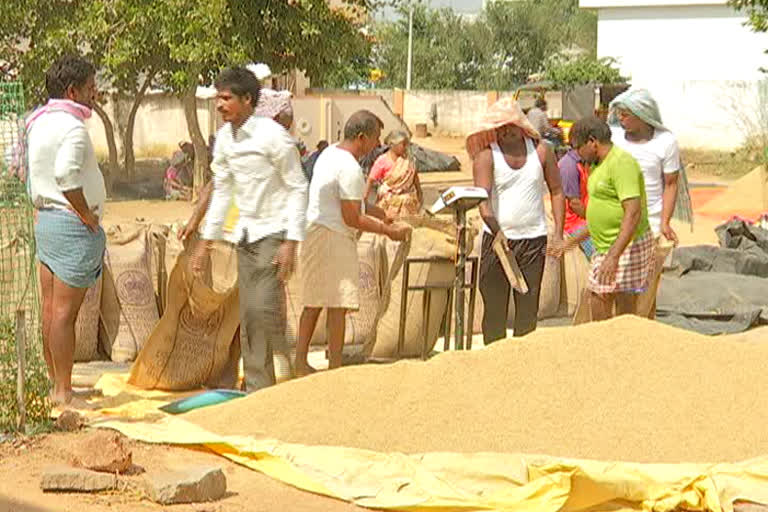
x,y
261,70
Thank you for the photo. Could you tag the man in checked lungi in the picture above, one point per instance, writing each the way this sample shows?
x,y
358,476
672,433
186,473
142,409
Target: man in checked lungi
x,y
617,220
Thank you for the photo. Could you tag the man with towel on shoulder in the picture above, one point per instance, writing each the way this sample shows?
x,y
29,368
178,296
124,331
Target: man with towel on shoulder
x,y
638,130
68,192
329,263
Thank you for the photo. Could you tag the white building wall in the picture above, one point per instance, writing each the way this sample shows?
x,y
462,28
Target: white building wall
x,y
699,61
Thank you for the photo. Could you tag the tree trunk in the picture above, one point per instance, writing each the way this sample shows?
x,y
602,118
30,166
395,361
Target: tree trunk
x,y
129,162
113,168
189,101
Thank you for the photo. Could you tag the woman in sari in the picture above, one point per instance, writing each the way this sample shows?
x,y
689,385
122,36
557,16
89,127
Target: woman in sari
x,y
399,191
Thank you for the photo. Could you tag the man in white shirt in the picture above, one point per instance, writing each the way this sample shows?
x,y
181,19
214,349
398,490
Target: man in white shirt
x,y
329,254
643,135
67,189
256,160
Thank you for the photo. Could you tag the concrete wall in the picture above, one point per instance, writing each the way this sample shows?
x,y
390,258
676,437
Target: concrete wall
x,y
456,110
160,122
323,117
699,61
160,125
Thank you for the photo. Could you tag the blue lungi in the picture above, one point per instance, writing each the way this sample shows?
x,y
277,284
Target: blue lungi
x,y
68,248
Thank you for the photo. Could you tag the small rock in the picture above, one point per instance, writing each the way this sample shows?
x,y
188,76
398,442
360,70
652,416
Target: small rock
x,y
190,485
68,479
69,421
102,450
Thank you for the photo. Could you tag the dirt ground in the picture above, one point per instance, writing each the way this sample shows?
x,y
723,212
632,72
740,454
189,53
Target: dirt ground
x,y
22,464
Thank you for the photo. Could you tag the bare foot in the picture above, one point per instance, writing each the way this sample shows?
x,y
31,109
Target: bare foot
x,y
65,401
303,369
61,398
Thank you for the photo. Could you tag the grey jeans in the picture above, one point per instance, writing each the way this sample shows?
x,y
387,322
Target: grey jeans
x,y
262,312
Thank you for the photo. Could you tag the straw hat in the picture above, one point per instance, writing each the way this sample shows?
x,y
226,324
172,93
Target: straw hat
x,y
504,112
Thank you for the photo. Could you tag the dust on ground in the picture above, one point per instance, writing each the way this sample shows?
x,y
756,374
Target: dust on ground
x,y
22,464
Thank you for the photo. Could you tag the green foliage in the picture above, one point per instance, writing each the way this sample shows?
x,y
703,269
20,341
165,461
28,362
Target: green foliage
x,y
36,389
583,70
443,50
500,49
757,10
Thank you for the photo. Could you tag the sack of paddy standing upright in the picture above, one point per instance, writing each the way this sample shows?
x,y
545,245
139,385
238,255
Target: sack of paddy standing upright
x,y
425,243
194,344
87,325
128,262
361,325
551,295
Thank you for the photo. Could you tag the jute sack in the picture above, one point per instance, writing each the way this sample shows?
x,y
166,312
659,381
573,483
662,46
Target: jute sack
x,y
193,344
158,237
87,325
646,302
551,287
361,324
109,317
128,259
425,243
477,251
576,273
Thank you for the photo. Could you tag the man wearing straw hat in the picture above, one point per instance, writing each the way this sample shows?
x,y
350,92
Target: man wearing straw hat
x,y
513,165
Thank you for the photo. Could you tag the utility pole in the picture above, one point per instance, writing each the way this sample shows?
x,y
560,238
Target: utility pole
x,y
409,70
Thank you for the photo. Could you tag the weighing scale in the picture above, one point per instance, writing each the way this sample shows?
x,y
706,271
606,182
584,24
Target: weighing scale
x,y
459,200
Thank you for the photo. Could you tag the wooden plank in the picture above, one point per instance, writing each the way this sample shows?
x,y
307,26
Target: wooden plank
x,y
21,342
509,263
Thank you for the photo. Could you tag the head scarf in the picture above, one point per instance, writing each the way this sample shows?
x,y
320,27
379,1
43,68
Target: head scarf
x,y
502,113
271,103
641,104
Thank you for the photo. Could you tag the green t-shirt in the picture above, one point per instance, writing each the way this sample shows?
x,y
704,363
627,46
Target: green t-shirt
x,y
616,179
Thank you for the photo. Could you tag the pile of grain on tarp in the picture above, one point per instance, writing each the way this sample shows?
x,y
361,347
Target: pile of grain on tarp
x,y
748,194
628,389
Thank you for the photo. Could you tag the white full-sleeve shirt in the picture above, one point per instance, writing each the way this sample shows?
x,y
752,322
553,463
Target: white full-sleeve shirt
x,y
61,159
259,165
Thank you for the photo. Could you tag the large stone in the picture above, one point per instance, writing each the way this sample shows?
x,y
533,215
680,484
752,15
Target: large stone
x,y
195,484
69,421
102,450
69,479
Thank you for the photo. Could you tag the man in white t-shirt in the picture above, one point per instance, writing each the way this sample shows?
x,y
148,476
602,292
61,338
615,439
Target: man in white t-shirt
x,y
655,148
642,134
329,253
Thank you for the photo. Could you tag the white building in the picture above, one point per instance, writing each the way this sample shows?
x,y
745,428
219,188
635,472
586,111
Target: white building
x,y
698,60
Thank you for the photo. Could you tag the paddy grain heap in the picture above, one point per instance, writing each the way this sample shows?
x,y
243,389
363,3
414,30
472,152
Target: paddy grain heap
x,y
628,389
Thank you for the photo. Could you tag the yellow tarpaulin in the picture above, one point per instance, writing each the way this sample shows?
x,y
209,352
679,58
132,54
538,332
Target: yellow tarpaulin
x,y
446,481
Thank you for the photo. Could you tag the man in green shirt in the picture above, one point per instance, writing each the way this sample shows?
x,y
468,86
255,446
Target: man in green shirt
x,y
617,220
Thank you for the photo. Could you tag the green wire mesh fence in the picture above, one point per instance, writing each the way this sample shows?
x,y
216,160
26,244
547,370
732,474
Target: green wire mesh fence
x,y
18,275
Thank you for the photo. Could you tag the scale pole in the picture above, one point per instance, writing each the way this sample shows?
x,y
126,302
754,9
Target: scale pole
x,y
461,265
